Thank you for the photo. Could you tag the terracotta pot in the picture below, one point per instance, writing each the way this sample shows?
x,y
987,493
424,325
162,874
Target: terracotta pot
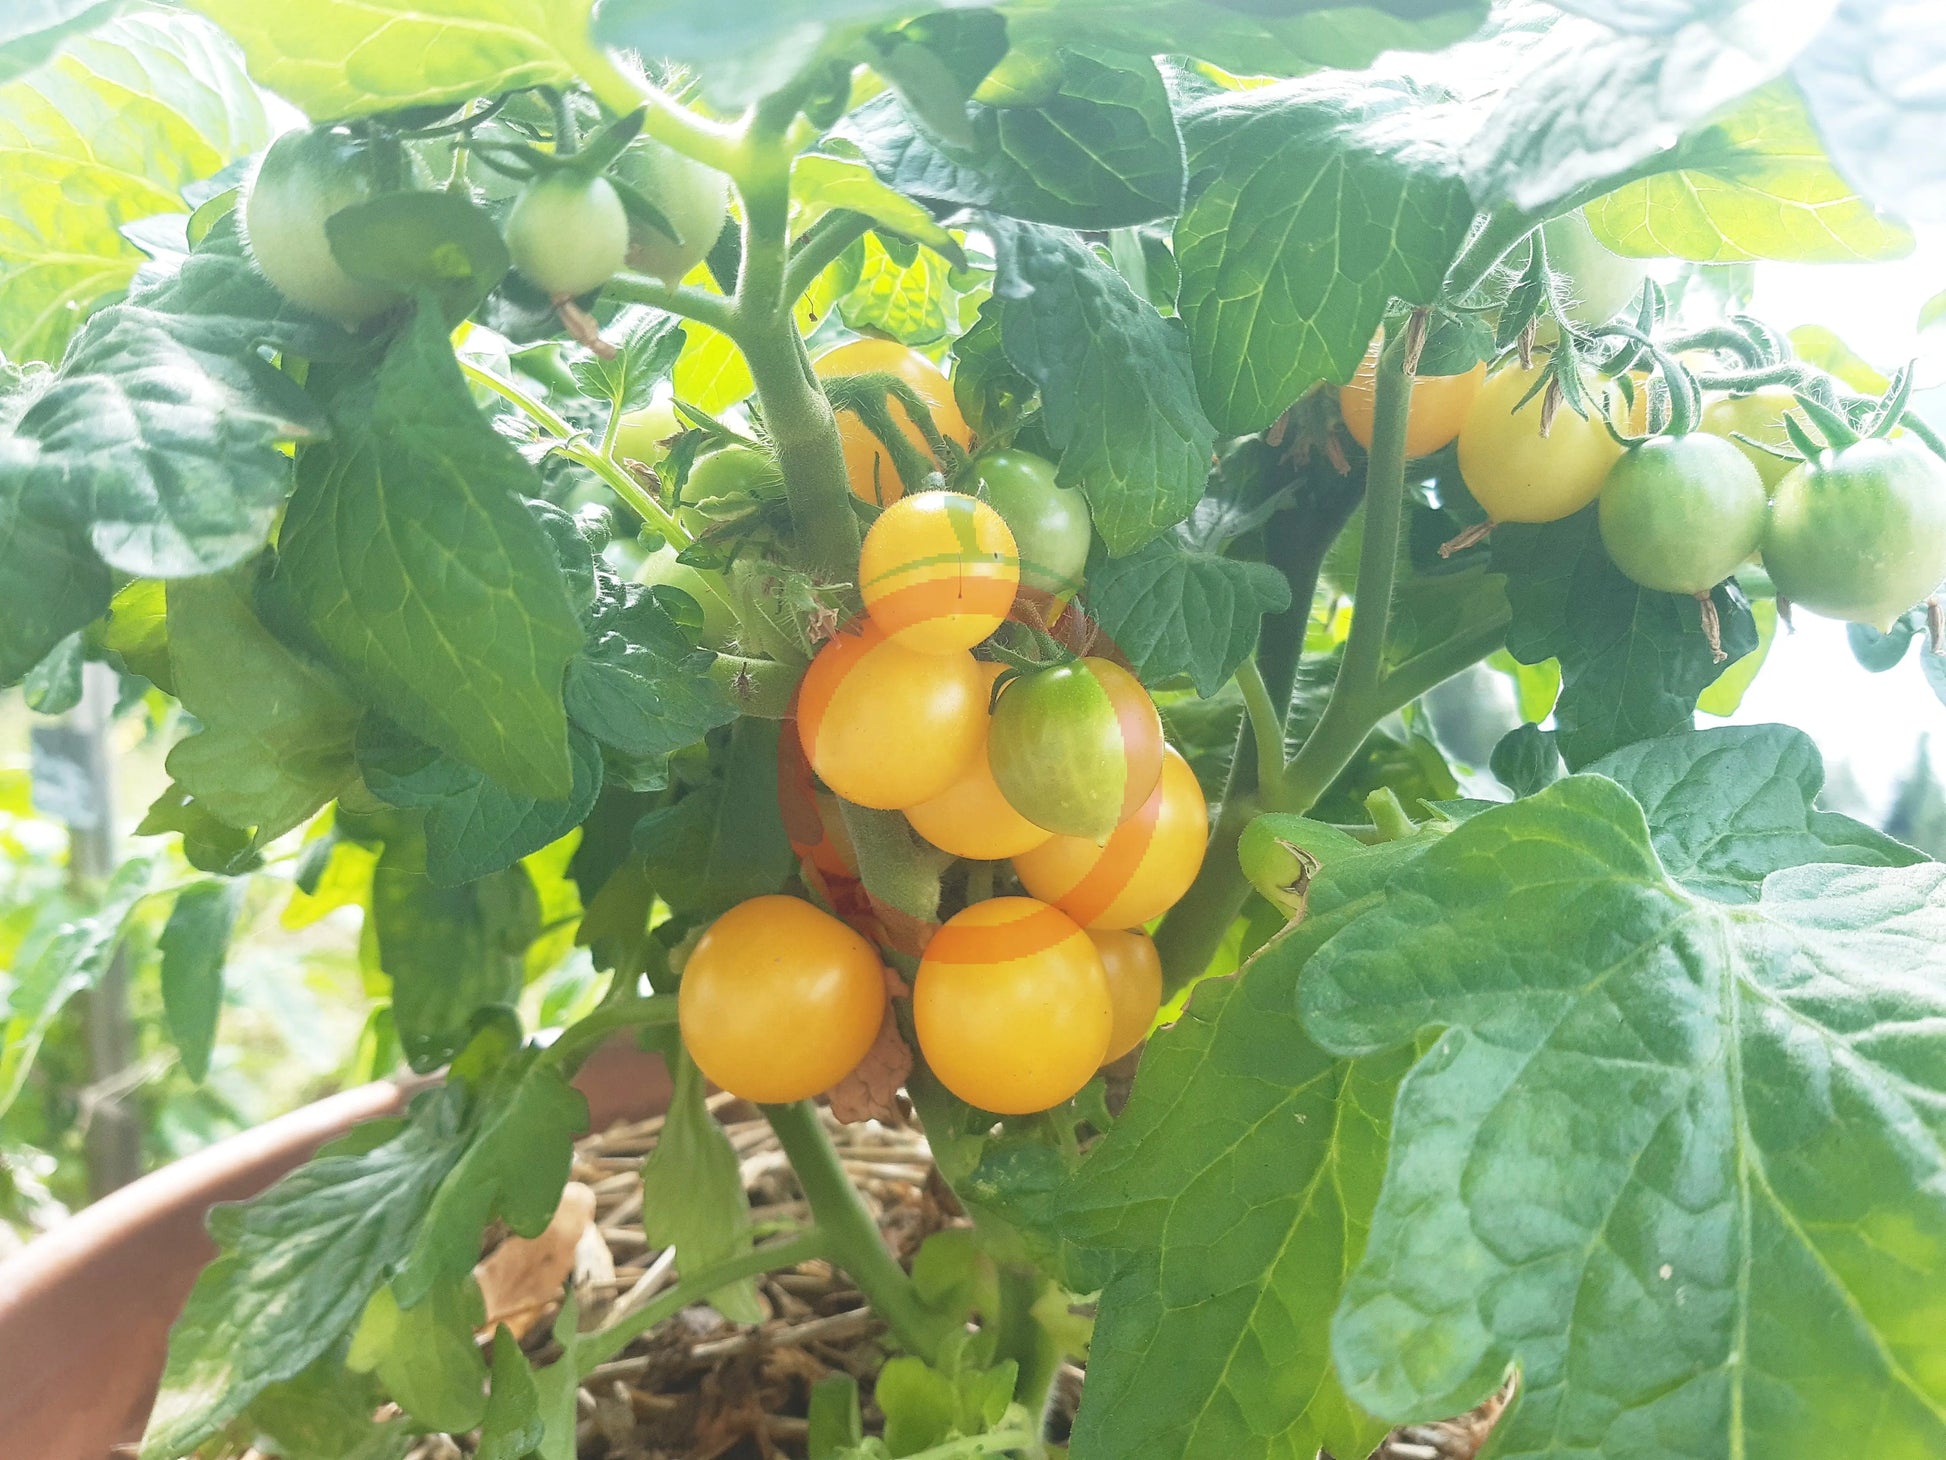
x,y
85,1310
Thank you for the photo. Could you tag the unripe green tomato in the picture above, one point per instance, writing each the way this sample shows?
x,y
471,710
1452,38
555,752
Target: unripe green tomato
x,y
1679,514
1076,748
1860,533
567,233
1050,522
303,179
1760,416
733,471
712,594
642,432
695,199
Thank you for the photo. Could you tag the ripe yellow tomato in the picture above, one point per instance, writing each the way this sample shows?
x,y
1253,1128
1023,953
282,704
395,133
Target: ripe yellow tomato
x,y
970,818
938,571
1519,475
887,727
1012,1006
1439,404
780,1001
1134,972
1146,864
873,477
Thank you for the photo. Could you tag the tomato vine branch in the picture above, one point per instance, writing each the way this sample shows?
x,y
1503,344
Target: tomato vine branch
x,y
852,1236
820,246
1266,725
581,1039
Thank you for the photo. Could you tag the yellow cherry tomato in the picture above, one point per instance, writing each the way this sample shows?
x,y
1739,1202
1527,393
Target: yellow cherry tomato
x,y
938,571
872,475
1519,475
1439,404
885,726
1134,972
1146,864
970,818
1012,1006
780,1001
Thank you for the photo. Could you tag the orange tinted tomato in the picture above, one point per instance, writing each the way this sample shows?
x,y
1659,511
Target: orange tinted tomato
x,y
1439,404
970,818
938,571
887,727
873,477
1134,972
1519,475
1076,748
1146,864
1012,1006
780,1001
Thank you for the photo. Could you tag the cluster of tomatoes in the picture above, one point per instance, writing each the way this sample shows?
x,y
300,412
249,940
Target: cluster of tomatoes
x,y
1857,532
1058,768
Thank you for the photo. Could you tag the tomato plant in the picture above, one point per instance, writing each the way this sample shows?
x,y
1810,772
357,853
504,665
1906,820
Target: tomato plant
x,y
1049,522
1860,533
938,571
563,515
886,726
567,233
1679,514
1518,471
873,475
779,1000
1012,1006
1439,405
1076,748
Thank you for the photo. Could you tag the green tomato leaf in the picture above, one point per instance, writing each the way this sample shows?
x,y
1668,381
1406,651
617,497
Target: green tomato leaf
x,y
1590,105
53,686
692,1194
919,300
155,449
34,29
1266,323
326,1412
432,242
103,135
67,963
647,343
275,736
425,1355
1754,184
724,841
1872,81
1679,1161
474,826
1173,609
822,182
1136,442
640,684
515,1166
512,1428
449,951
1729,806
1100,153
1233,1190
194,944
1526,760
351,58
469,659
296,1266
1632,661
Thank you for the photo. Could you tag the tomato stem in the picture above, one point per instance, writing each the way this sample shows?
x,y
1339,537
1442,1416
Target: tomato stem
x,y
1266,725
581,1039
819,248
851,1236
599,1348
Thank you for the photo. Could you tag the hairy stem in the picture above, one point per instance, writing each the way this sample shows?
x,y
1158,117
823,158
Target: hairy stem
x,y
820,246
852,1238
684,299
1266,725
583,1038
